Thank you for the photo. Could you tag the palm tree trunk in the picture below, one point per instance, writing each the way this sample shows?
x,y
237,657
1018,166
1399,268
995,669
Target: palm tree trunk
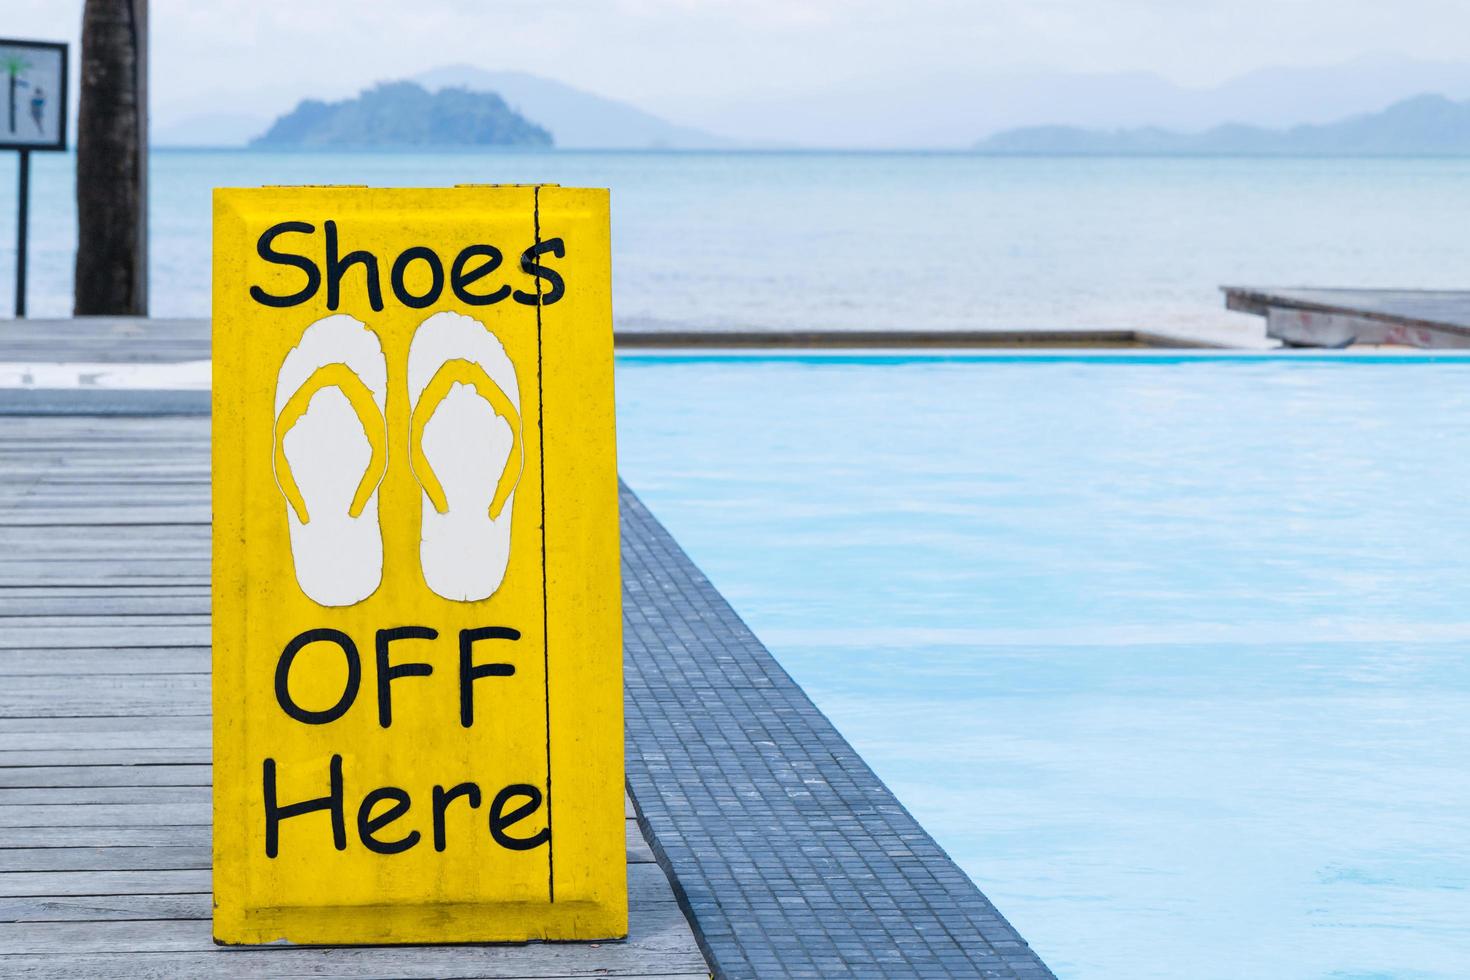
x,y
111,270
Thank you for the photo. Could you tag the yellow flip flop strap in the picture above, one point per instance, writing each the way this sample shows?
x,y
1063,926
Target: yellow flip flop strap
x,y
469,373
341,377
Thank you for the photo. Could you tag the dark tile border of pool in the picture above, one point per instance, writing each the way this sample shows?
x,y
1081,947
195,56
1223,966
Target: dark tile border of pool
x,y
790,857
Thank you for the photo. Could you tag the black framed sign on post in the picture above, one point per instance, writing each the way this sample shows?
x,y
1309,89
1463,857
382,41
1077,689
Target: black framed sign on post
x,y
32,117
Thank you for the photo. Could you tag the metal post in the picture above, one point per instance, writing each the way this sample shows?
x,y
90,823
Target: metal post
x,y
140,66
22,220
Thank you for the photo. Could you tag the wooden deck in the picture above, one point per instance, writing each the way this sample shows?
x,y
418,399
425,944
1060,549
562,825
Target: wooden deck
x,y
105,732
1343,317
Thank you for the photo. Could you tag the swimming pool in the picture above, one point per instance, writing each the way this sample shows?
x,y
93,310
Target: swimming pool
x,y
1172,653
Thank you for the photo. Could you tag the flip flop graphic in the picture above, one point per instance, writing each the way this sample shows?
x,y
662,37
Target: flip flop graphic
x,y
330,453
467,452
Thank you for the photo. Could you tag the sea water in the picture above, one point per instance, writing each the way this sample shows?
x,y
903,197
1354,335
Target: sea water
x,y
868,240
1172,657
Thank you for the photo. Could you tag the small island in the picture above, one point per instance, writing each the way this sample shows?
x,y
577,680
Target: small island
x,y
405,114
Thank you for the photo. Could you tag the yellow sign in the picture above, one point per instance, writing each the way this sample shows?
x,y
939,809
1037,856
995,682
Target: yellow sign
x,y
418,714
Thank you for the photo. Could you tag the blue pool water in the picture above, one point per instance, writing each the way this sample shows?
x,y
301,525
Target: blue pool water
x,y
1173,656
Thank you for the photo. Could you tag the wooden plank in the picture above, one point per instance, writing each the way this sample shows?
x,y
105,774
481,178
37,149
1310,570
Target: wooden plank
x,y
84,543
140,516
122,694
110,546
94,795
882,339
75,578
15,884
84,607
105,815
142,857
142,739
101,908
137,730
146,813
139,621
58,661
104,340
104,571
653,944
111,726
1309,328
64,837
117,590
644,881
83,776
194,835
1335,317
19,662
105,757
58,851
83,635
120,688
443,963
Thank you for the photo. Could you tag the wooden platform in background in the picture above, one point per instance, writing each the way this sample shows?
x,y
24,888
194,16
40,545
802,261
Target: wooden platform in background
x,y
112,340
105,731
104,340
1303,317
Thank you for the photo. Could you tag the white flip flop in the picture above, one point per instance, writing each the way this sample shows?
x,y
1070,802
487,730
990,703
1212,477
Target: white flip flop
x,y
331,450
466,419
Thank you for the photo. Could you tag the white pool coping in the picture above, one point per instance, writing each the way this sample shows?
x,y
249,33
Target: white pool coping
x,y
196,375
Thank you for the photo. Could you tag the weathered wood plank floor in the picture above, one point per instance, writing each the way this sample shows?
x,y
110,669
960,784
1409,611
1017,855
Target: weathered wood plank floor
x,y
105,740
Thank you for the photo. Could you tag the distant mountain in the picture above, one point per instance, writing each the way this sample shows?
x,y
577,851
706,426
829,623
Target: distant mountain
x,y
1424,124
579,119
953,108
916,109
405,114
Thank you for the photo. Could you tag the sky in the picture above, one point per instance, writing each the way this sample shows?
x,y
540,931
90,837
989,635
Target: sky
x,y
723,64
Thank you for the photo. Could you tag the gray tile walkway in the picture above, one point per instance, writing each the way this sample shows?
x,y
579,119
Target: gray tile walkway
x,y
791,857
